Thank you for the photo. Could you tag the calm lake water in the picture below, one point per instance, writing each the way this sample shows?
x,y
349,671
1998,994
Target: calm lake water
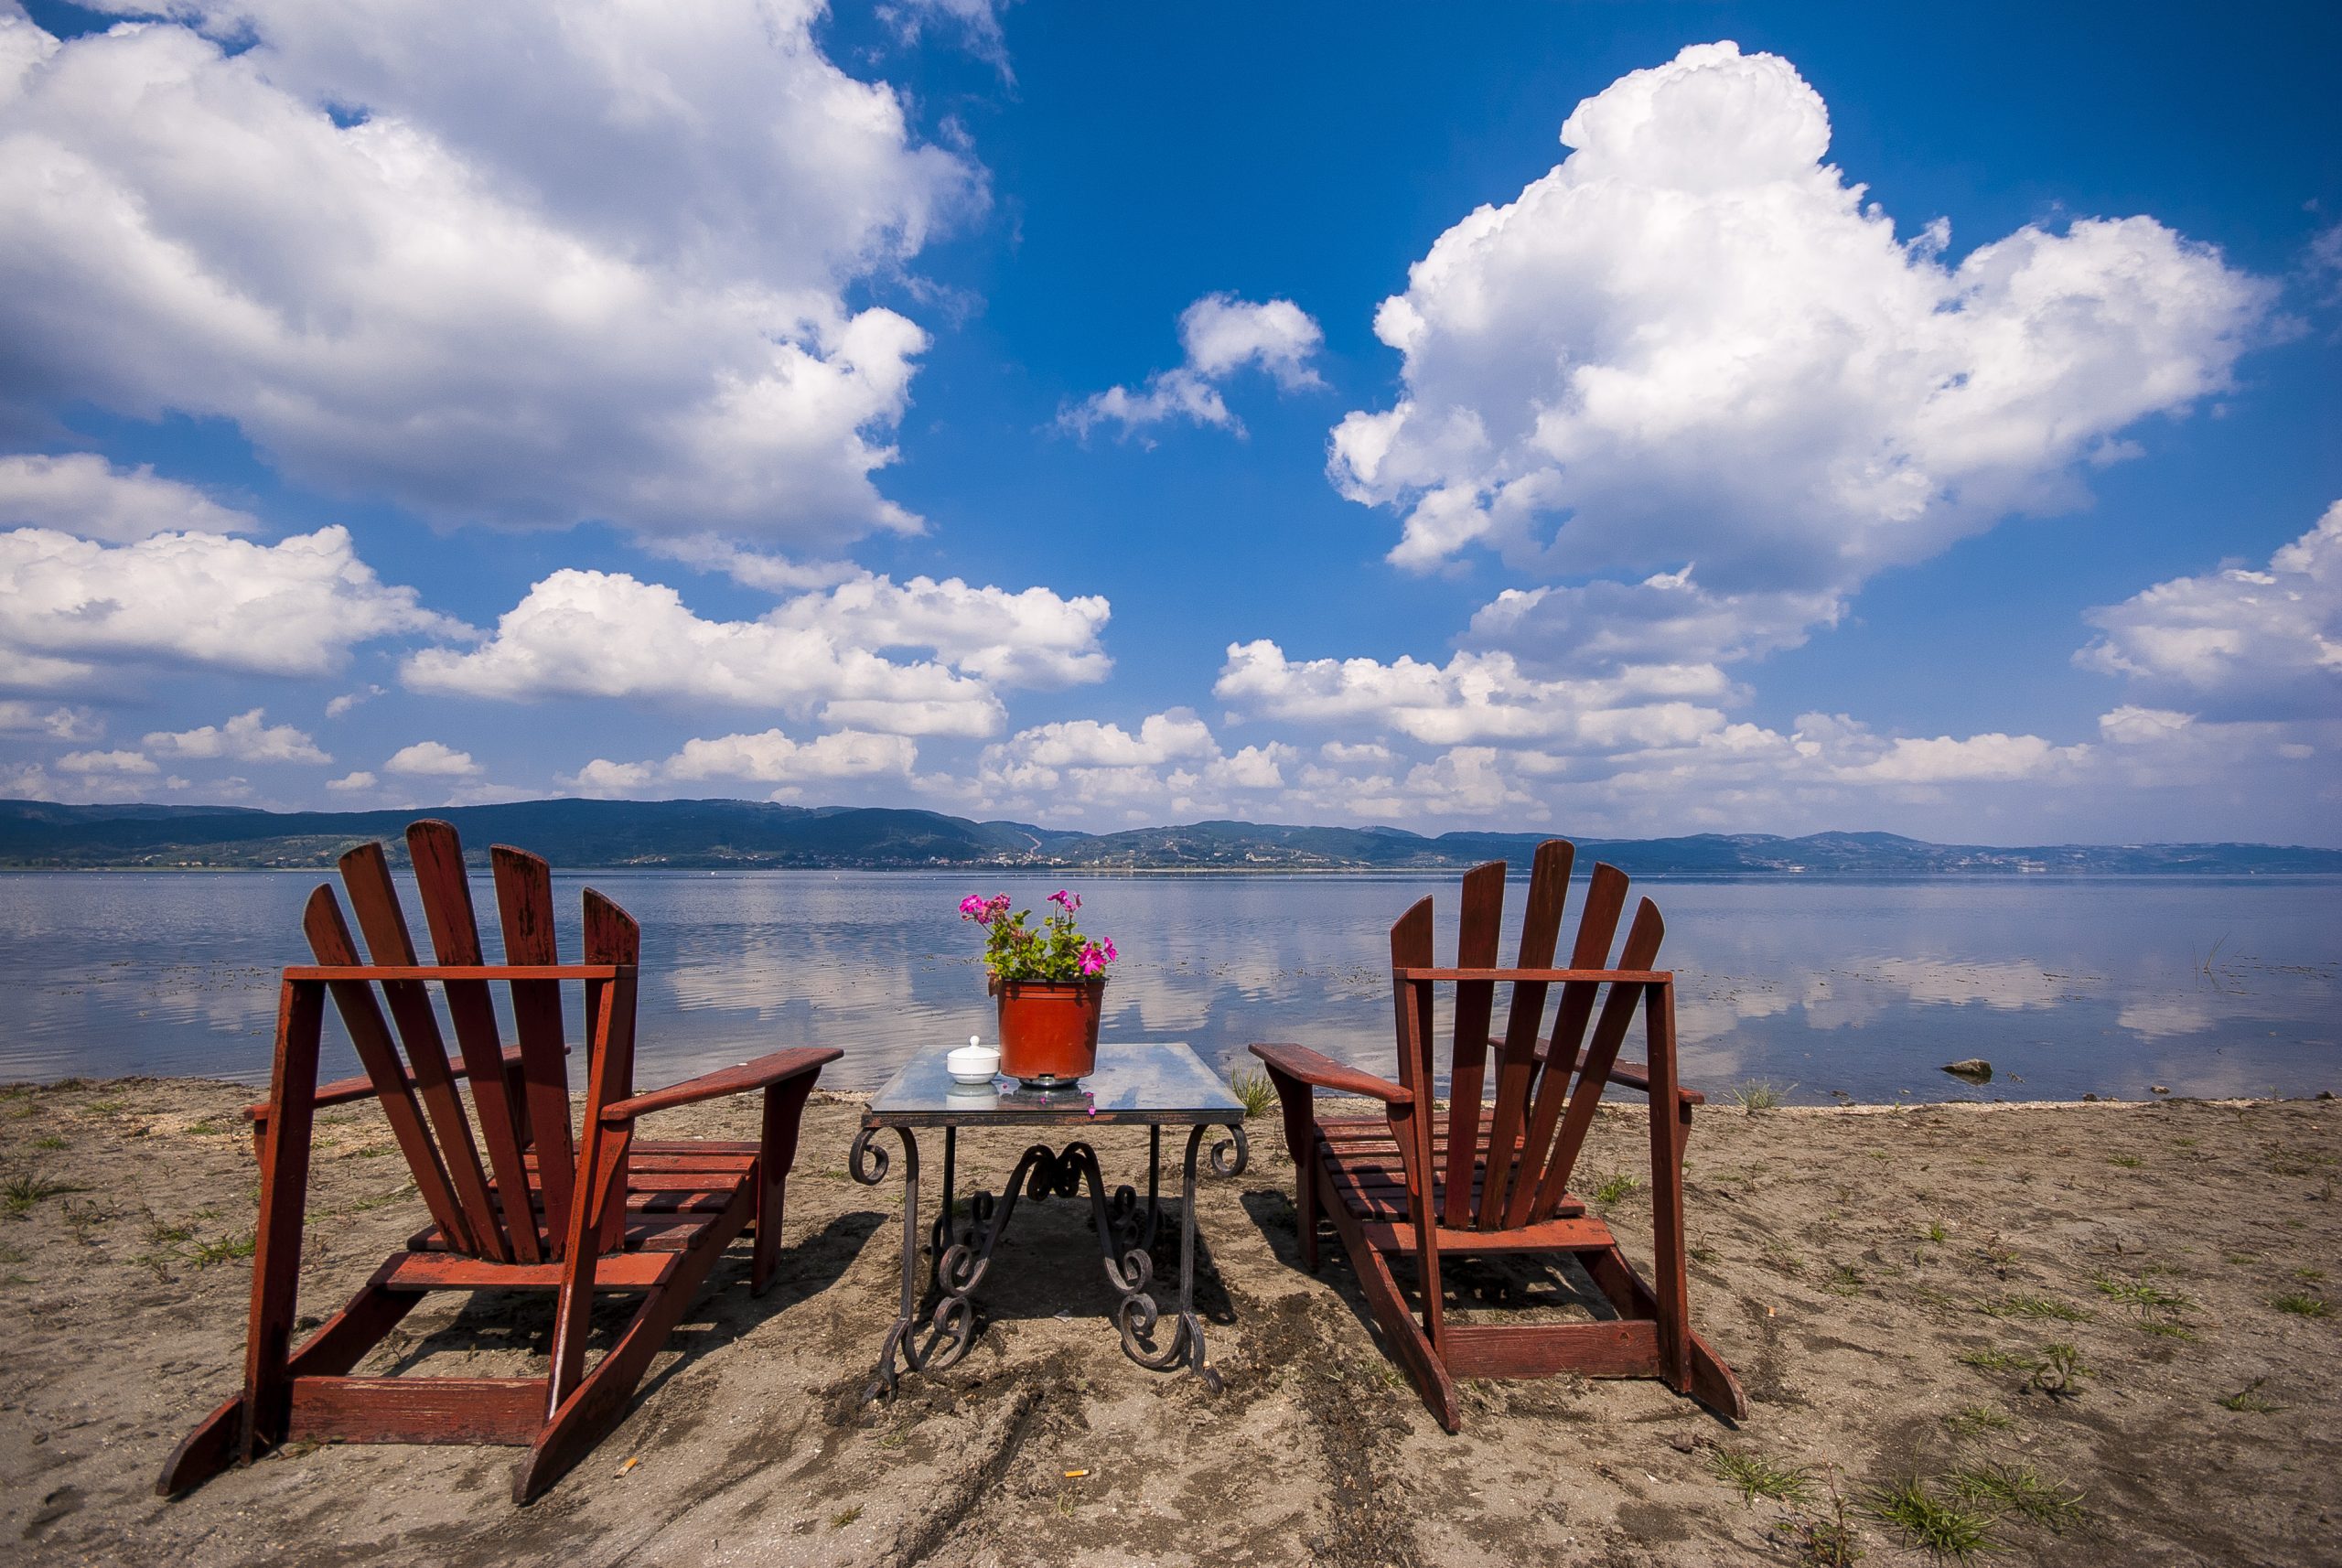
x,y
2207,986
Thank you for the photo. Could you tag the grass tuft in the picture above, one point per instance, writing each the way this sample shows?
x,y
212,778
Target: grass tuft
x,y
2250,1401
2127,1162
1758,1476
1971,1419
1616,1189
2139,1293
221,1249
2019,1489
1944,1528
1256,1089
1996,1361
1758,1094
20,1192
2059,1371
2301,1303
2034,1306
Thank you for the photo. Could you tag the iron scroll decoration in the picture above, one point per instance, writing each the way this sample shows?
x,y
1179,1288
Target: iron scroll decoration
x,y
1126,1232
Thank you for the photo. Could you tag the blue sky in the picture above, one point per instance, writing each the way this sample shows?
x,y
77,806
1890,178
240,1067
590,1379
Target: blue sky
x,y
1108,415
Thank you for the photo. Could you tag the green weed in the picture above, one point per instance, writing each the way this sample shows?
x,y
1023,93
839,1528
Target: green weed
x,y
1996,1361
1616,1189
1757,1094
2140,1295
20,1192
52,1142
2249,1400
2127,1162
2034,1306
2303,1305
2059,1371
1255,1089
1758,1476
1971,1419
221,1249
2021,1490
1927,1521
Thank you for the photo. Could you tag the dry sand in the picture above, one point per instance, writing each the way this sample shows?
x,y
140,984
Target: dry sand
x,y
1851,1265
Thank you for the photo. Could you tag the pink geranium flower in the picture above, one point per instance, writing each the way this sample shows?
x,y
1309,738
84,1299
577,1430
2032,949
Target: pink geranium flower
x,y
1013,951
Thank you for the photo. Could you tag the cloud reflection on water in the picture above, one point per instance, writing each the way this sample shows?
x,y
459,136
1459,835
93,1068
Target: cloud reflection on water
x,y
1867,988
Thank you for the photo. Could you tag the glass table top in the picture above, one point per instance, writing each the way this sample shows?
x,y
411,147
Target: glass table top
x,y
1159,1083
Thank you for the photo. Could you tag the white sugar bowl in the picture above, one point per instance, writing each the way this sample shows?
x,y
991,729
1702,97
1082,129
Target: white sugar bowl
x,y
974,1062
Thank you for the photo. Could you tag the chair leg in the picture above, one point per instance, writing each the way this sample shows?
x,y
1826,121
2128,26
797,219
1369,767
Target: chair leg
x,y
784,1110
603,1396
1409,1345
1294,1100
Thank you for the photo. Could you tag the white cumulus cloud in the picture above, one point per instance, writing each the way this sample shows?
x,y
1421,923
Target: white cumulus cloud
x,y
80,493
106,762
431,759
770,757
1478,697
246,737
294,607
1172,766
1221,335
610,635
20,717
2250,642
1692,342
552,262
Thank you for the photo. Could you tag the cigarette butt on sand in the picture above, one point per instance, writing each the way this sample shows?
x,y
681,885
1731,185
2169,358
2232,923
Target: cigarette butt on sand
x,y
1075,1474
630,1464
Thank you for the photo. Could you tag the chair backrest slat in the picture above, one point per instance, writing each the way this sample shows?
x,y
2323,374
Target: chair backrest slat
x,y
1597,922
438,858
1478,932
524,903
1640,952
1540,928
1410,946
330,940
612,937
374,899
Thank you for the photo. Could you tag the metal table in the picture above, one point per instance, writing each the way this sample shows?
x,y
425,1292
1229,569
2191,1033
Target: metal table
x,y
1158,1086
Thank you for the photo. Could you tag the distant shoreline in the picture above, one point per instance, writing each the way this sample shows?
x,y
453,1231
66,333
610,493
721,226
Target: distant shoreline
x,y
751,836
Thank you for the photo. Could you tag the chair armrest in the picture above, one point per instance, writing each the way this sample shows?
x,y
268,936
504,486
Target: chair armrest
x,y
762,1073
1626,1075
1321,1072
342,1090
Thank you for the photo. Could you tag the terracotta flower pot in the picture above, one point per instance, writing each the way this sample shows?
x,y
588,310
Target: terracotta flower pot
x,y
1048,1028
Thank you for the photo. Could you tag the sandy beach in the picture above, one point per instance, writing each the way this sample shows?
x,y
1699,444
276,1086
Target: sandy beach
x,y
2102,1334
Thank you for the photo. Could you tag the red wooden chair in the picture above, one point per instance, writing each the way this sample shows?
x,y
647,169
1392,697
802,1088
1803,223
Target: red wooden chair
x,y
1496,1178
574,1212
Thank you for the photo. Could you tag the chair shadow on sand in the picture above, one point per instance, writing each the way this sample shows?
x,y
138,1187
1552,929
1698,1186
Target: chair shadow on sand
x,y
520,1324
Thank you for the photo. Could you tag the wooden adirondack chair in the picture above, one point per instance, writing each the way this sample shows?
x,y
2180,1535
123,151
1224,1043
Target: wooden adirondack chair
x,y
1496,1178
572,1212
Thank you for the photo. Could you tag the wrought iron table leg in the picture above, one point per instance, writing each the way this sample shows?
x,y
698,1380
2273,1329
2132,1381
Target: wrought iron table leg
x,y
1137,1315
962,1256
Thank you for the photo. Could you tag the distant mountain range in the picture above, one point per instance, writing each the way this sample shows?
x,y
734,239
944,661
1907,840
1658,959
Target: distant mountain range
x,y
751,835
